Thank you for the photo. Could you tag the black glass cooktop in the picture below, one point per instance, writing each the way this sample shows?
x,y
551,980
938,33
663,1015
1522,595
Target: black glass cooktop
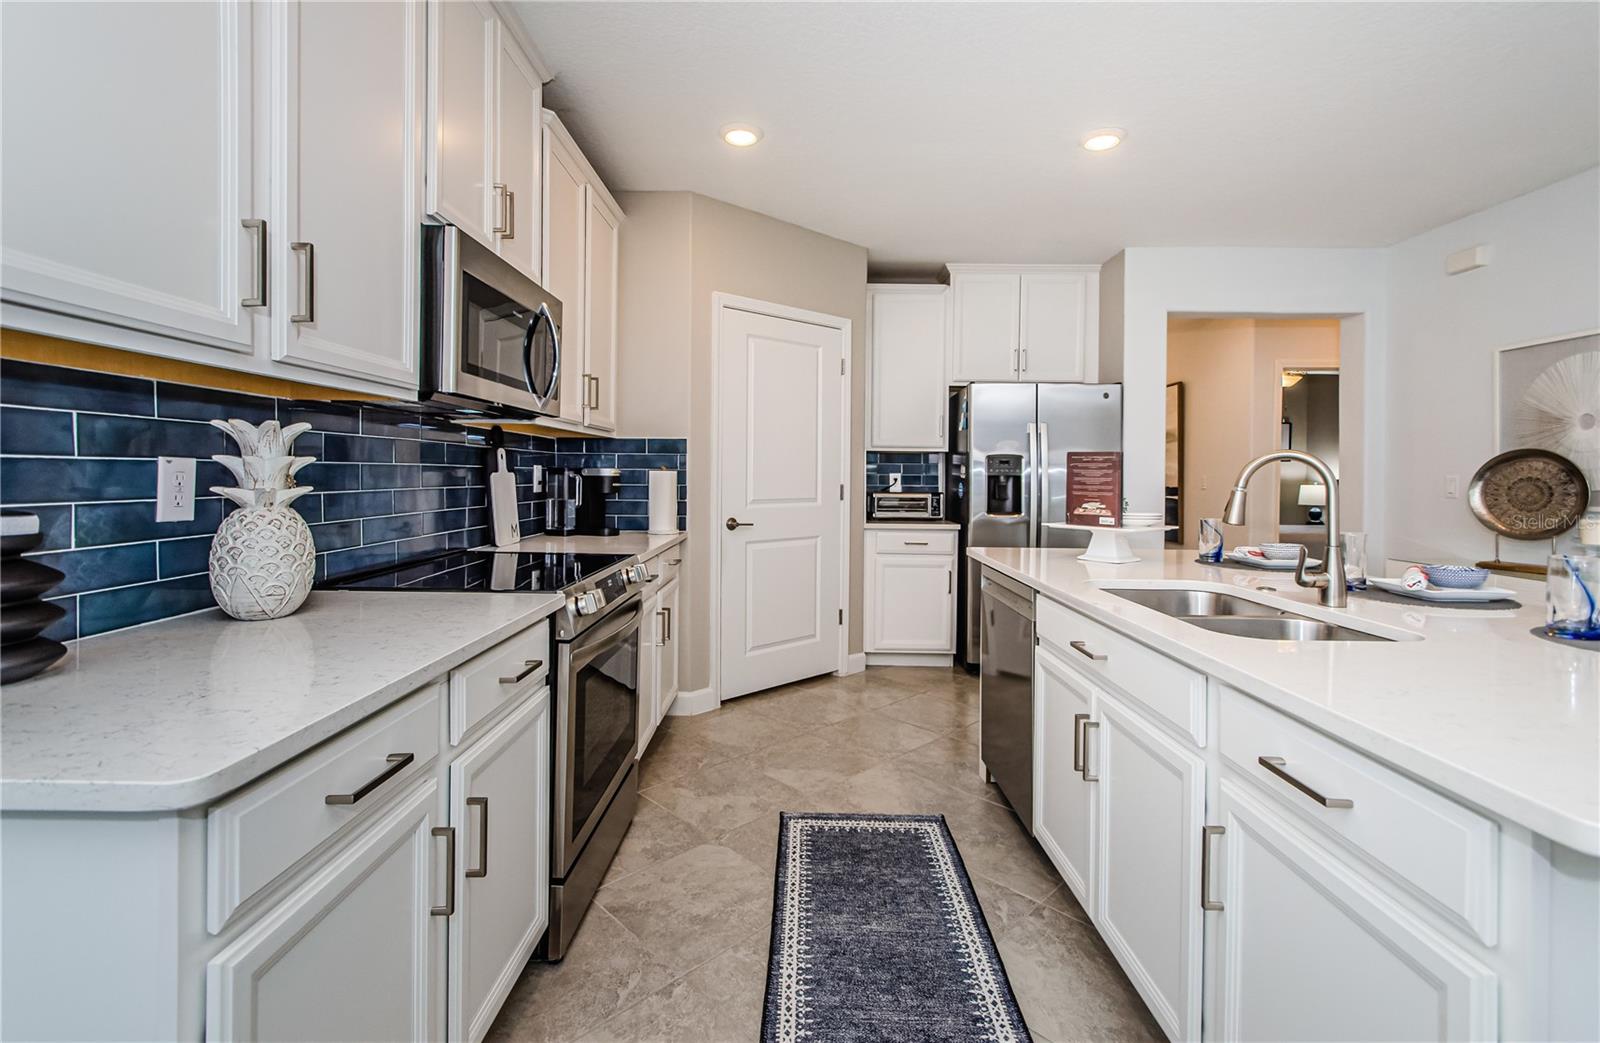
x,y
486,571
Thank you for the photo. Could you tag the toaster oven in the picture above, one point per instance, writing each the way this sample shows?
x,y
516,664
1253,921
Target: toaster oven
x,y
904,505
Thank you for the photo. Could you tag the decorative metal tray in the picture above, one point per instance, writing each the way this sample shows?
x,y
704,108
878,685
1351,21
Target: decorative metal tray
x,y
1528,494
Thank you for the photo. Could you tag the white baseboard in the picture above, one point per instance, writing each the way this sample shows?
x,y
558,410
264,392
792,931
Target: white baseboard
x,y
939,659
855,662
701,700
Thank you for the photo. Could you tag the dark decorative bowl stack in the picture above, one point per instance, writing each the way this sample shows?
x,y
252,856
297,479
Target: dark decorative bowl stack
x,y
23,617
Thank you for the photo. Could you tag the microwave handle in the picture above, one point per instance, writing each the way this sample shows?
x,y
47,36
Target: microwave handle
x,y
540,317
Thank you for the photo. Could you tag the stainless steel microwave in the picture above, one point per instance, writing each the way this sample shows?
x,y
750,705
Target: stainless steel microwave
x,y
491,336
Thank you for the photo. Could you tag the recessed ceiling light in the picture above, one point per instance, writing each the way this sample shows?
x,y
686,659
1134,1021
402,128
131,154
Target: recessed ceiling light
x,y
741,135
1104,139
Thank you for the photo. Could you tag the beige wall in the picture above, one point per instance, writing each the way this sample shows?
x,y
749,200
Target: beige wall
x,y
1230,372
731,250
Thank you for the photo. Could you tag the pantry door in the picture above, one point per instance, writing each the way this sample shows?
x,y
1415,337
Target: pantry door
x,y
781,494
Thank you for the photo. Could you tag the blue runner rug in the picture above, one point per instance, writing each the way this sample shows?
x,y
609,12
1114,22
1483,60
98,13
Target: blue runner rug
x,y
878,936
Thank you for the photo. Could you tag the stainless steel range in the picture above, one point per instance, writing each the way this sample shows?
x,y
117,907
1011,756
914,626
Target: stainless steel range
x,y
596,699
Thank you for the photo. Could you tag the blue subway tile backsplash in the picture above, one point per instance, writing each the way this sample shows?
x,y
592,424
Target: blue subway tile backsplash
x,y
78,449
919,472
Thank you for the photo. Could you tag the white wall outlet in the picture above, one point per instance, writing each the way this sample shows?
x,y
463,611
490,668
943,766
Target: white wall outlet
x,y
538,478
1452,487
174,489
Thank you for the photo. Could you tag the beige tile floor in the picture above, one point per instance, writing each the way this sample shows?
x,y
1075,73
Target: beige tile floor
x,y
675,946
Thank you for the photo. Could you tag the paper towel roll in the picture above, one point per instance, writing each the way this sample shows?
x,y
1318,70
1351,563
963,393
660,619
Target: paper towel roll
x,y
663,501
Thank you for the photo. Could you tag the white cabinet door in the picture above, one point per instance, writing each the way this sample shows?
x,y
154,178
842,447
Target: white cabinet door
x,y
463,36
500,808
349,117
1151,810
911,603
1055,324
519,104
1063,799
600,292
354,953
667,653
128,165
1310,949
651,629
565,205
906,334
985,338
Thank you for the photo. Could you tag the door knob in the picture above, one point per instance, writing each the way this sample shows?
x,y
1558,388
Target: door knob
x,y
734,523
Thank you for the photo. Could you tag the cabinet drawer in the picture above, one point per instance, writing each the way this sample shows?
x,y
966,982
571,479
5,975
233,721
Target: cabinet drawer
x,y
264,829
914,541
1441,850
1165,686
495,678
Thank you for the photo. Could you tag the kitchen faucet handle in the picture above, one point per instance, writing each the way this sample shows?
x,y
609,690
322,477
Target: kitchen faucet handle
x,y
1304,579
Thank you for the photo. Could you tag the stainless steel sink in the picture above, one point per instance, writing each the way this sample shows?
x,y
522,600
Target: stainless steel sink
x,y
1239,617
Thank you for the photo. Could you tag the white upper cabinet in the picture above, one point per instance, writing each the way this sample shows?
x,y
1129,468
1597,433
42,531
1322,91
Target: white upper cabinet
x,y
127,166
349,201
581,256
484,100
1025,323
906,332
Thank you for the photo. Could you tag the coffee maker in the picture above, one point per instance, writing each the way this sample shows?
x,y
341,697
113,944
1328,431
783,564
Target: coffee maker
x,y
577,503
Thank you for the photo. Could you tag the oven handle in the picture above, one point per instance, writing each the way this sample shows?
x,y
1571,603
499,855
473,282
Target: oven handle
x,y
591,646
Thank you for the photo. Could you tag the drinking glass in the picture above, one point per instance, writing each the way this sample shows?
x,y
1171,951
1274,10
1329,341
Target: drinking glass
x,y
1210,539
1354,546
1571,596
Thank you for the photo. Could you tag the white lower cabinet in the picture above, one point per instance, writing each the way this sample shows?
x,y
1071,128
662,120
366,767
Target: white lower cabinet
x,y
1063,795
351,954
500,809
910,602
667,651
1309,949
1150,807
658,648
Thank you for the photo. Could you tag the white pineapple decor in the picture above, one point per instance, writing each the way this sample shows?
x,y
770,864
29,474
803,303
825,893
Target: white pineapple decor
x,y
262,559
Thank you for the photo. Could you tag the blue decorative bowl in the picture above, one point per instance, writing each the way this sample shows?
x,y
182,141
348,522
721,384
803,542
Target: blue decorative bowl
x,y
1456,577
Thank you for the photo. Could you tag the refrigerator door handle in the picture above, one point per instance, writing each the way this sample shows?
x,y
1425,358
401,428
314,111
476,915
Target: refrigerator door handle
x,y
1044,483
1030,485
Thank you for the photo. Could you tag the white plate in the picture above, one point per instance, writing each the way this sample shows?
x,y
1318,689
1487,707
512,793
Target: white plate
x,y
1274,564
1479,595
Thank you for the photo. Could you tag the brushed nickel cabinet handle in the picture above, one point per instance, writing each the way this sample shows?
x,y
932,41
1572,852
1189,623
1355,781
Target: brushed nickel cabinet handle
x,y
449,906
308,282
1077,741
397,764
949,581
1082,648
511,215
1024,360
259,298
914,543
1091,723
1275,765
530,664
661,627
499,210
679,561
668,611
1206,901
482,804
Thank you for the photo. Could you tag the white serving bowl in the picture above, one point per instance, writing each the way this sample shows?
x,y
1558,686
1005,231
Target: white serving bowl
x,y
1281,551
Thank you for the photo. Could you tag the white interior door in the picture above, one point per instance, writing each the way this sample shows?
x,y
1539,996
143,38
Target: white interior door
x,y
780,480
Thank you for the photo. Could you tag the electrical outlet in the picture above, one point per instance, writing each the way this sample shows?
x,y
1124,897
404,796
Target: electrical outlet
x,y
174,489
538,478
1452,487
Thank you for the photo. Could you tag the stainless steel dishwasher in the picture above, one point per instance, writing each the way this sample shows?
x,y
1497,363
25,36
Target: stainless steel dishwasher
x,y
1005,690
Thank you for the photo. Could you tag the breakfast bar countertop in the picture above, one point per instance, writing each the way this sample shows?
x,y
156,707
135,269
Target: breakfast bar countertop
x,y
1470,701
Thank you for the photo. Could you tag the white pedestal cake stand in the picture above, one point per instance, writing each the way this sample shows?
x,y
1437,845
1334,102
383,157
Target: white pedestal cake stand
x,y
1109,546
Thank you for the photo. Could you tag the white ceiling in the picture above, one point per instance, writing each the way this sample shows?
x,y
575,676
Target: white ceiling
x,y
949,132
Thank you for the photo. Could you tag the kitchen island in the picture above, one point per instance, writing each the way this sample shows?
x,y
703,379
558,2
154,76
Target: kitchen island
x,y
1414,820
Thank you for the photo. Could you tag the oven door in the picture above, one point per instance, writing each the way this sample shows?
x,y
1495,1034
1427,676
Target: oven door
x,y
597,724
495,335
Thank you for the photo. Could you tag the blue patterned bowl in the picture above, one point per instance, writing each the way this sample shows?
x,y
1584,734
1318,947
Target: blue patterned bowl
x,y
1455,577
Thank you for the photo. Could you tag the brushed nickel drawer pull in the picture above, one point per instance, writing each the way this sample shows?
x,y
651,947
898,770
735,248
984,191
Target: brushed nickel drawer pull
x,y
1091,723
500,210
1275,765
530,664
1206,901
482,804
259,298
1077,741
308,282
1082,648
397,764
449,906
914,543
675,561
511,215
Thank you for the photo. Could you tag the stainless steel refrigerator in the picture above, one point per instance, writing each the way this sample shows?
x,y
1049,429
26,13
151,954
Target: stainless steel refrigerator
x,y
996,488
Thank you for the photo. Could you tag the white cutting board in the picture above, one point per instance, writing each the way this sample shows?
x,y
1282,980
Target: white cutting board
x,y
503,503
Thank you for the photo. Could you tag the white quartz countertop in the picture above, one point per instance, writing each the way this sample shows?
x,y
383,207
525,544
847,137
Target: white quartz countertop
x,y
176,714
642,544
1479,707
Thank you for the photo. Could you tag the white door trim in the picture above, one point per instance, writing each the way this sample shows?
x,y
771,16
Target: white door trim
x,y
720,302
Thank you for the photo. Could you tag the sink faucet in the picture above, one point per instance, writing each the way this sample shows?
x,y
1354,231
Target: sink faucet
x,y
1330,581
